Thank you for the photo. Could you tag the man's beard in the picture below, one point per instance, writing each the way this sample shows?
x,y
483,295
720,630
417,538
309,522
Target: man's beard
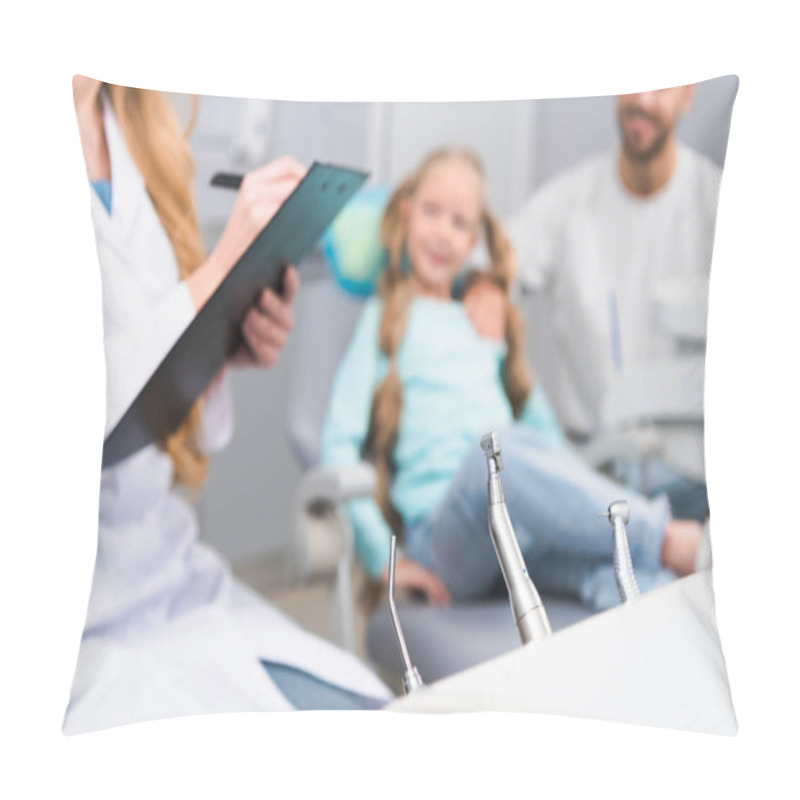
x,y
649,153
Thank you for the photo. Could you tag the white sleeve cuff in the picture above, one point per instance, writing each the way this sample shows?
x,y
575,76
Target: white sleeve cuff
x,y
132,356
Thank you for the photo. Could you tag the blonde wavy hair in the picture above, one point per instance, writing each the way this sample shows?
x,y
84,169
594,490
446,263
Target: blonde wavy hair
x,y
394,289
160,150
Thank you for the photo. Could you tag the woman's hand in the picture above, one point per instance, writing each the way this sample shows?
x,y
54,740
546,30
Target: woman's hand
x,y
409,574
485,303
267,325
262,193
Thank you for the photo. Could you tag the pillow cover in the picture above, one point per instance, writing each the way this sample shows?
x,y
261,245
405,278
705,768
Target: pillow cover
x,y
612,253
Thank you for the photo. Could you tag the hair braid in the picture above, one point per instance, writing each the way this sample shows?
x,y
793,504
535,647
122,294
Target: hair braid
x,y
517,377
160,150
394,290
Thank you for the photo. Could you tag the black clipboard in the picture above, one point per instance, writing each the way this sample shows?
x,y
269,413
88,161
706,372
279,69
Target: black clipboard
x,y
214,333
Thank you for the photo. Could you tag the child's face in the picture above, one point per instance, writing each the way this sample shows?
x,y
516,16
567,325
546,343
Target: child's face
x,y
443,218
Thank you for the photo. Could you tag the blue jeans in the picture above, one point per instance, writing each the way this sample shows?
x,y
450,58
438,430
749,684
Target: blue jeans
x,y
553,500
688,498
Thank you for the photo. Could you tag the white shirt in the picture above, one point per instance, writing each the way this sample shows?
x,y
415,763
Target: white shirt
x,y
626,286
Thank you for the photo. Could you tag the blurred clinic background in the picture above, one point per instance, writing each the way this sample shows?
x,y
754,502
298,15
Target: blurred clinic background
x,y
246,507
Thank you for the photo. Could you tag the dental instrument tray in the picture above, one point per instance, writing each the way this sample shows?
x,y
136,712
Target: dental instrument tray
x,y
214,333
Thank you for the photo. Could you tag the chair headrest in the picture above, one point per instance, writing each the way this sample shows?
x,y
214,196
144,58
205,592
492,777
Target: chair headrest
x,y
351,244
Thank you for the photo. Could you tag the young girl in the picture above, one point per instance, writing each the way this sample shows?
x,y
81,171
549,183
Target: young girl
x,y
417,389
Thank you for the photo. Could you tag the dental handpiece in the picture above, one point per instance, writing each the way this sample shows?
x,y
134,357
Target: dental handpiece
x,y
619,515
411,678
526,605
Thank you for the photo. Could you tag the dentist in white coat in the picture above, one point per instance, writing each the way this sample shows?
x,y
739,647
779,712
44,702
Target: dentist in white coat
x,y
169,631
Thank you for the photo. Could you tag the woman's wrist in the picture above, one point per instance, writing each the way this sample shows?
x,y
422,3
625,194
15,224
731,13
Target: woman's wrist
x,y
202,283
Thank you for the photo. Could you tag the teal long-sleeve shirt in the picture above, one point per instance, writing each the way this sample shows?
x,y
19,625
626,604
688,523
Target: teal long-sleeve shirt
x,y
452,395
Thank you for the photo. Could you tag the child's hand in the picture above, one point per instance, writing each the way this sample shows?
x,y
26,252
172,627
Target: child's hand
x,y
485,304
412,575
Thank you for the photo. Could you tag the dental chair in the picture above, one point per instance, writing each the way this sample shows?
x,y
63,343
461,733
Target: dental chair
x,y
443,641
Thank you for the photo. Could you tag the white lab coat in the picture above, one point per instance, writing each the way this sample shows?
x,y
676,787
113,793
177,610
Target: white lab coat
x,y
169,630
625,285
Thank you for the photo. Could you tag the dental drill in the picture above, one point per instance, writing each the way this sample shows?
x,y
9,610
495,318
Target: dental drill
x,y
619,515
411,678
526,605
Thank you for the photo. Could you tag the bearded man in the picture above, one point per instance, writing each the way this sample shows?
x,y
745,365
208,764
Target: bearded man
x,y
620,249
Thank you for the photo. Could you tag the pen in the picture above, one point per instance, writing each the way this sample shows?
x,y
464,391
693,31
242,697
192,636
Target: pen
x,y
227,180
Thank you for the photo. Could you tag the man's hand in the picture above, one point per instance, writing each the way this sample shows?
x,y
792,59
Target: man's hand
x,y
267,325
485,304
409,574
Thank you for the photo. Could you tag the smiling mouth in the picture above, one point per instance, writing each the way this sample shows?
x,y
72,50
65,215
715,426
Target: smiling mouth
x,y
636,119
438,259
638,112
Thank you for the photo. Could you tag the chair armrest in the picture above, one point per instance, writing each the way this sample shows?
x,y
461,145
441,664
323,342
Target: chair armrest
x,y
322,538
324,485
